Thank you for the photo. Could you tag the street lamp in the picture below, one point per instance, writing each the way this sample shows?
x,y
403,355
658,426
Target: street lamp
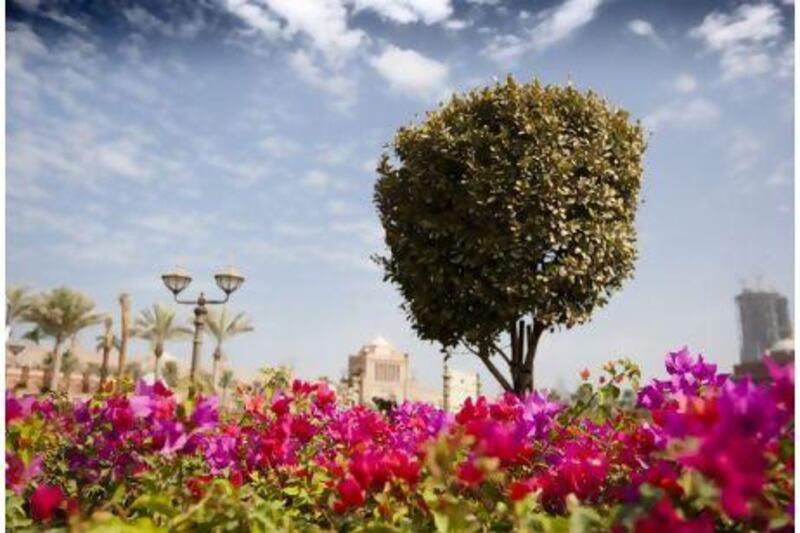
x,y
176,281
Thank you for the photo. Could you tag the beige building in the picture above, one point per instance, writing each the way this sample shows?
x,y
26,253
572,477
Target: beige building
x,y
379,370
459,386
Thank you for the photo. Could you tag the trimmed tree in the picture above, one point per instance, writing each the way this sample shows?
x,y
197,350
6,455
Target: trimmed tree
x,y
508,212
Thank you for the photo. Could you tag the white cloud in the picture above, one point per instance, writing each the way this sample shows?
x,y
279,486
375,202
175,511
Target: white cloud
x,y
407,11
278,146
369,165
334,154
368,231
317,179
682,114
745,39
35,6
336,84
410,72
783,175
785,61
145,21
643,28
744,151
750,23
176,225
242,173
323,22
685,83
553,26
256,15
339,208
456,24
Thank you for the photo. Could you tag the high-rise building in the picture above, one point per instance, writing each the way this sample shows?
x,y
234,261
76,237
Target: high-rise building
x,y
764,319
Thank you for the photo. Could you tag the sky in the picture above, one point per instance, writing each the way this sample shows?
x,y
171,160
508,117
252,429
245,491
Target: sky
x,y
145,135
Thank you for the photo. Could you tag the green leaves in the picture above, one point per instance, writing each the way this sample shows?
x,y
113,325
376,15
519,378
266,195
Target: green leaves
x,y
512,200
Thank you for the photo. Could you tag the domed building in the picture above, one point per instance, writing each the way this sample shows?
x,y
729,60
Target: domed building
x,y
380,371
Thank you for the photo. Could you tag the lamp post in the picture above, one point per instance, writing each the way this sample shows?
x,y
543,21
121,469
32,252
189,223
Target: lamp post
x,y
176,281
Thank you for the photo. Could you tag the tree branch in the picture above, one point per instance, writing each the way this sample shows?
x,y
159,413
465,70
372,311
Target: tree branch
x,y
501,353
483,355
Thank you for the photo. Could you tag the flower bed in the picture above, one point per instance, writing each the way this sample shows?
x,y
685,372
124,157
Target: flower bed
x,y
695,452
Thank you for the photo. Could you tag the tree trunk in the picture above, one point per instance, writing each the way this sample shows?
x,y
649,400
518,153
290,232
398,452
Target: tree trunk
x,y
215,367
125,308
104,366
159,351
107,345
224,400
525,340
54,378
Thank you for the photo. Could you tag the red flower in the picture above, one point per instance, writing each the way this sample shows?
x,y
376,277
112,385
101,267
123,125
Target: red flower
x,y
45,500
351,494
303,429
325,396
196,485
662,517
519,489
73,507
470,474
281,405
236,479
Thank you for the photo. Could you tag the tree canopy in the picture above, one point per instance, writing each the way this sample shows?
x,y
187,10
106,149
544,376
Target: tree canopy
x,y
61,314
511,201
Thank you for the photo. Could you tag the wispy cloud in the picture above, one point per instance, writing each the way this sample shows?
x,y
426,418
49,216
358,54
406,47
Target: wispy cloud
x,y
339,85
745,39
552,26
681,114
645,29
408,11
685,83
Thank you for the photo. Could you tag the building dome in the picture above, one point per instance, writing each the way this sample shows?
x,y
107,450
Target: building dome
x,y
378,341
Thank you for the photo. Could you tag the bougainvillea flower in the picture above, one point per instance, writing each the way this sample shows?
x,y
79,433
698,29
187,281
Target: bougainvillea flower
x,y
45,500
350,493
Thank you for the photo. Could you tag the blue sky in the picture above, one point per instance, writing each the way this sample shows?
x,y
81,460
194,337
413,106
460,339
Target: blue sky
x,y
141,135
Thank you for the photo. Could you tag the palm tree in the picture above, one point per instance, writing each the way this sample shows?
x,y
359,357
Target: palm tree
x,y
134,369
35,335
158,325
61,314
105,343
170,373
221,326
125,312
18,301
69,363
225,381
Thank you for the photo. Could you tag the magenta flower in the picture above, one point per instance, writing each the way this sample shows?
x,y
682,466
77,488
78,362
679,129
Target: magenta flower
x,y
45,500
